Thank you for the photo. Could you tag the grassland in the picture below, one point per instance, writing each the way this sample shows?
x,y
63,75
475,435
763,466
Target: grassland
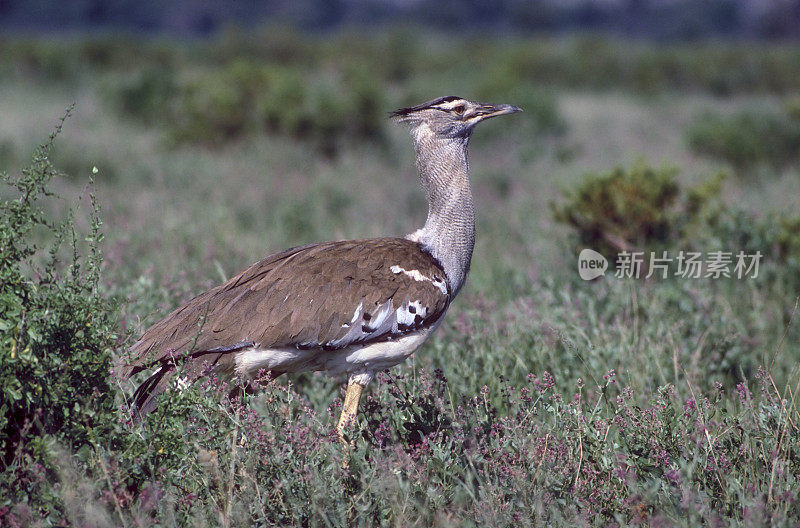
x,y
543,399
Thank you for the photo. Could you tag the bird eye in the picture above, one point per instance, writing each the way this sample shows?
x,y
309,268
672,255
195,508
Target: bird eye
x,y
459,109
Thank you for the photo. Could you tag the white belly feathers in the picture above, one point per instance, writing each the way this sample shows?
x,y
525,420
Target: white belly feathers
x,y
371,357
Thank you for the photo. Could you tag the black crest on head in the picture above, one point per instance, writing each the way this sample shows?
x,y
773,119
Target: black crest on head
x,y
405,111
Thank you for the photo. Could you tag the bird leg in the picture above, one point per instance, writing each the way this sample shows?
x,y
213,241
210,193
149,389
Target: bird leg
x,y
349,408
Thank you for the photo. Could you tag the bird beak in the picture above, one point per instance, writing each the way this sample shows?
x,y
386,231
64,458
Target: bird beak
x,y
485,111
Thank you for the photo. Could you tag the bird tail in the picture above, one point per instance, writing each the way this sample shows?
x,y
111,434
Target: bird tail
x,y
189,369
145,398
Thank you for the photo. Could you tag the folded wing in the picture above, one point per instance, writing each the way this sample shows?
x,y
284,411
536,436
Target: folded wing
x,y
326,296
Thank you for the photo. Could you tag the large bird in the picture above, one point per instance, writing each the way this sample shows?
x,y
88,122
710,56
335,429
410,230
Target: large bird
x,y
350,307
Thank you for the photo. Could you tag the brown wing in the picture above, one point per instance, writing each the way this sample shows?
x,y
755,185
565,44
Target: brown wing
x,y
327,296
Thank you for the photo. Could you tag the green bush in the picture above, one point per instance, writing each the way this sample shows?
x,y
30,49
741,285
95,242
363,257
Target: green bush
x,y
148,96
332,111
775,236
248,96
40,60
281,109
218,105
56,332
640,208
747,138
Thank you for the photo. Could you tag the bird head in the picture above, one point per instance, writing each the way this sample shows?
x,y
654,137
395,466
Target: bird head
x,y
450,116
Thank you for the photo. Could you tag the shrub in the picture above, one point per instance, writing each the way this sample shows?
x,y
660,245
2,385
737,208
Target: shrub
x,y
247,96
324,112
148,96
218,105
747,138
281,109
640,208
56,330
40,60
776,236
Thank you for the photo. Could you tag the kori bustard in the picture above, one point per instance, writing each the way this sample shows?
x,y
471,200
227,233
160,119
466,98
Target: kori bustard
x,y
351,307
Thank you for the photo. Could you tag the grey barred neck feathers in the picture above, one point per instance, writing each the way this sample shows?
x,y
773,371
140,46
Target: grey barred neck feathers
x,y
449,231
441,129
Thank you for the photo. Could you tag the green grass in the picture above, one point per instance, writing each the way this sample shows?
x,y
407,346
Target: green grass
x,y
509,414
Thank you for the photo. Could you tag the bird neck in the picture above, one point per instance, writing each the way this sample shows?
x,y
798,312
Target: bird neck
x,y
449,231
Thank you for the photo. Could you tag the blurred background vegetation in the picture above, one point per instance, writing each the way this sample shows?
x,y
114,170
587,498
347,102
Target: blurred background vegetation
x,y
222,132
653,19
